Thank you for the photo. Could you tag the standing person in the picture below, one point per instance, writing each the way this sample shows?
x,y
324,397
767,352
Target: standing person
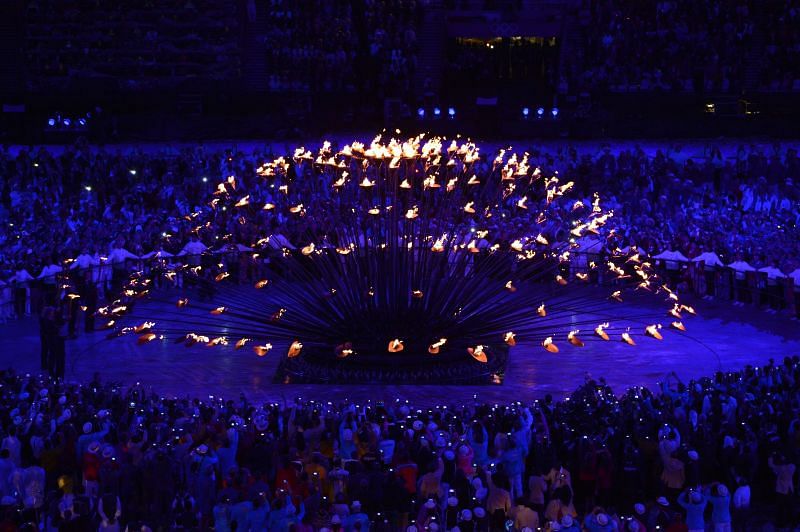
x,y
695,504
721,503
741,505
53,350
514,465
49,278
784,488
119,257
21,281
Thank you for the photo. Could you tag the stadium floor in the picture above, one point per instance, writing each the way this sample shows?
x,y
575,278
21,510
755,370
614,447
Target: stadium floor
x,y
720,337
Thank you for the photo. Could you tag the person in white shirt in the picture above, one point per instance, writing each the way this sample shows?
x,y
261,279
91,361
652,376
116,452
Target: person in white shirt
x,y
49,278
84,261
741,505
118,257
22,292
192,250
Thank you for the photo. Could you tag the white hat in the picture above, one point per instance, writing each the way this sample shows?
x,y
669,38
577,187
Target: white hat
x,y
452,501
466,515
693,456
566,521
479,512
87,427
356,505
417,424
662,501
429,504
639,508
602,519
336,520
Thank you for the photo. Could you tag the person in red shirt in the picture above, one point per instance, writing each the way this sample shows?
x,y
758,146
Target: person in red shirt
x,y
91,469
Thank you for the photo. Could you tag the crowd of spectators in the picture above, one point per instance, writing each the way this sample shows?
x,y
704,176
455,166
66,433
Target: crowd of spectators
x,y
667,45
372,47
781,68
137,44
341,46
721,451
87,203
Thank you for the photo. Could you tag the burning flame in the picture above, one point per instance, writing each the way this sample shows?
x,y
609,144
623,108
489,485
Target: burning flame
x,y
549,345
600,331
262,350
572,337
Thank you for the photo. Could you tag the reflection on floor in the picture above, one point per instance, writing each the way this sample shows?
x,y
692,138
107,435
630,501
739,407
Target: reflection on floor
x,y
721,337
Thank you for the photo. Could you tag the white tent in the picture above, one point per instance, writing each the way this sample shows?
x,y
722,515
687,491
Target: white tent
x,y
709,258
796,276
672,256
772,273
741,266
671,259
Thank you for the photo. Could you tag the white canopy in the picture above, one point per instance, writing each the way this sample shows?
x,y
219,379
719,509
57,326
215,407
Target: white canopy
x,y
672,256
741,266
709,258
772,273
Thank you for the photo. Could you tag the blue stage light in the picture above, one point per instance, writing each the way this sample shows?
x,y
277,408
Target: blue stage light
x,y
51,122
540,112
437,111
554,112
525,112
421,112
451,111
